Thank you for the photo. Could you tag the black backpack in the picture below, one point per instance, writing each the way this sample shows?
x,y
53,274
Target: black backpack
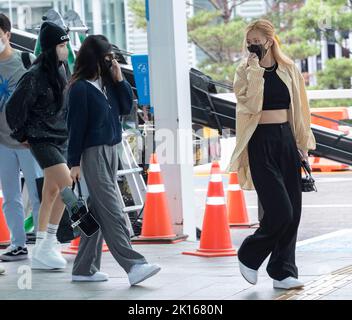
x,y
26,60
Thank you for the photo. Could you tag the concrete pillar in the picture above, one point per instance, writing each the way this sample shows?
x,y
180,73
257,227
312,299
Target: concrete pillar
x,y
312,69
298,64
97,17
21,17
120,26
324,51
338,48
10,11
170,97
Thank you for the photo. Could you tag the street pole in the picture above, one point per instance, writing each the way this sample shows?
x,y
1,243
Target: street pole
x,y
170,98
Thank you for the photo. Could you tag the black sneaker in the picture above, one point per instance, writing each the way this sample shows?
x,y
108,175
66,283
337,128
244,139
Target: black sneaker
x,y
14,254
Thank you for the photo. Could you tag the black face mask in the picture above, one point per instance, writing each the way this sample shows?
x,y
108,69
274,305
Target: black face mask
x,y
258,49
108,64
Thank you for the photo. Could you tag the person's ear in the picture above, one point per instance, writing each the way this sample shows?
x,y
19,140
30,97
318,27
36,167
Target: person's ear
x,y
8,35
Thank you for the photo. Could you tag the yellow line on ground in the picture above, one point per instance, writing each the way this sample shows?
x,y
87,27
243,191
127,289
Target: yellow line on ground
x,y
321,287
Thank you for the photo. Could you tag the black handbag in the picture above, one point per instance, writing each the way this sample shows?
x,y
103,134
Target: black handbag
x,y
65,232
308,183
80,213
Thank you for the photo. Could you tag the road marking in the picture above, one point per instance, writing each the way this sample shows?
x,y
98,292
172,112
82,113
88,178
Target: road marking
x,y
332,172
324,237
327,206
322,180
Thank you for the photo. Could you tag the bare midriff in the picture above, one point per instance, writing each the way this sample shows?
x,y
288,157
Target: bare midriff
x,y
274,116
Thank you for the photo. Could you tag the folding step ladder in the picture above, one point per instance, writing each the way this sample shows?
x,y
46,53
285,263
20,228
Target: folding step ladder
x,y
133,174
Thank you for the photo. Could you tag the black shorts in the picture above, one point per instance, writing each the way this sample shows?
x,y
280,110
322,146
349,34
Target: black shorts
x,y
49,154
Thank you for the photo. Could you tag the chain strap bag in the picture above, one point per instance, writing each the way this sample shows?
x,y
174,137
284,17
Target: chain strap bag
x,y
308,183
80,214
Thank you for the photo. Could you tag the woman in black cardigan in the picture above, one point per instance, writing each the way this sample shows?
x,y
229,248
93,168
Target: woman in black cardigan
x,y
98,95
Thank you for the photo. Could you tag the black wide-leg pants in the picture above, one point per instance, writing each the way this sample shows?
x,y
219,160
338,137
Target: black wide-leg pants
x,y
275,168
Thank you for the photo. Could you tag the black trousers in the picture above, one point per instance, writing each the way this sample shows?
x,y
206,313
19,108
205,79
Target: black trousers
x,y
275,168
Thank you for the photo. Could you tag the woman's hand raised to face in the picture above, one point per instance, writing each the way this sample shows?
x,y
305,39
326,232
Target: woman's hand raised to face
x,y
116,71
253,60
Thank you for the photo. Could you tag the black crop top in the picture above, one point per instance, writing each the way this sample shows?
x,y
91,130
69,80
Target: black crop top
x,y
276,94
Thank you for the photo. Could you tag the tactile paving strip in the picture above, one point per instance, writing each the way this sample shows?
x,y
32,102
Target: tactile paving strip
x,y
321,287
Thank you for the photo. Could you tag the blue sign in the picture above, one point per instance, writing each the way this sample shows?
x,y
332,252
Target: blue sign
x,y
147,9
141,77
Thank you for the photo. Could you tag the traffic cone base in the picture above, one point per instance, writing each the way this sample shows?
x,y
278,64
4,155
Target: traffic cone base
x,y
159,240
73,248
244,225
212,253
4,244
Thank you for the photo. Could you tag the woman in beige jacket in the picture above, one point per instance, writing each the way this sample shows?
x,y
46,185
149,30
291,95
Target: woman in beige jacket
x,y
272,128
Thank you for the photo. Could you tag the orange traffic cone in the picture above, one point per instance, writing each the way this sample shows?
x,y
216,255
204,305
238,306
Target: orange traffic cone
x,y
157,226
74,245
215,240
73,248
236,205
4,230
105,247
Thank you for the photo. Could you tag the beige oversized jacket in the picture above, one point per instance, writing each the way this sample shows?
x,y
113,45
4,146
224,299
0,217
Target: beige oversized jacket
x,y
248,87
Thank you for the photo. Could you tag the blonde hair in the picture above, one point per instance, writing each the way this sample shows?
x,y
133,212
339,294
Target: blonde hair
x,y
268,30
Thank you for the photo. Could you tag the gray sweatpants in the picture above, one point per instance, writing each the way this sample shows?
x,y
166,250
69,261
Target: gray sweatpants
x,y
99,166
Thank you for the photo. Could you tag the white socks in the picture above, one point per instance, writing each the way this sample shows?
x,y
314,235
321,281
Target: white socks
x,y
51,231
49,234
40,236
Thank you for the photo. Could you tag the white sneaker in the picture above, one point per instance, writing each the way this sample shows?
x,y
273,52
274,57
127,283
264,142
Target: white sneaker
x,y
141,272
46,256
288,283
96,277
2,270
249,274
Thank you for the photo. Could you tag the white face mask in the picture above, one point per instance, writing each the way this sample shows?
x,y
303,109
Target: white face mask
x,y
2,46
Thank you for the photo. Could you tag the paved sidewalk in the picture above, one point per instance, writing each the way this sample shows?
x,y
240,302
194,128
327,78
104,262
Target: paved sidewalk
x,y
189,277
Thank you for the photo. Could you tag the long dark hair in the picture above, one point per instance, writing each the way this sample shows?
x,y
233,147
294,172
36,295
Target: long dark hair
x,y
50,64
90,62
